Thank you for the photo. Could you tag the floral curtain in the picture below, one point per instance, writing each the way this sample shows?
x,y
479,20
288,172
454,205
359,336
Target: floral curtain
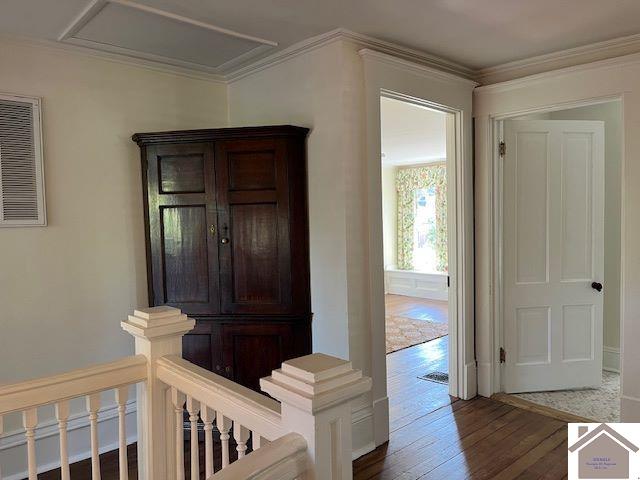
x,y
408,181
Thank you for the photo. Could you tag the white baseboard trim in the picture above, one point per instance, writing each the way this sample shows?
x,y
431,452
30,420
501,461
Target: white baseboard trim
x,y
362,432
485,375
431,286
611,359
629,409
469,386
381,421
13,444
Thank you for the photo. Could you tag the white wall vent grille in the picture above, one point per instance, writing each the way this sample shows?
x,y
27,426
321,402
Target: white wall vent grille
x,y
21,170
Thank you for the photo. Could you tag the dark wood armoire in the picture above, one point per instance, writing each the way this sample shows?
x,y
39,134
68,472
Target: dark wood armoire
x,y
227,242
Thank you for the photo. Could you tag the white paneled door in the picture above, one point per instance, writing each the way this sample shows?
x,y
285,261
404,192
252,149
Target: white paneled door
x,y
553,207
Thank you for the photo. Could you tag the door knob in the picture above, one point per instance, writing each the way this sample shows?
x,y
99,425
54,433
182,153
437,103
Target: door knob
x,y
224,240
597,286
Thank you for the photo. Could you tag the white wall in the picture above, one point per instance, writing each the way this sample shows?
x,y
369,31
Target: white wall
x,y
390,215
607,79
64,288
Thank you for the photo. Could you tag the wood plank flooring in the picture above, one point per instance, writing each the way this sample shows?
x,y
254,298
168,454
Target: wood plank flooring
x,y
416,308
435,436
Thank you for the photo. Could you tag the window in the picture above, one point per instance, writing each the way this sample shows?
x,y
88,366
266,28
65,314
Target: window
x,y
422,218
424,231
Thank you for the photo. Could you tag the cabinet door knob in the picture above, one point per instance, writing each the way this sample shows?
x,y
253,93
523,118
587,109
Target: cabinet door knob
x,y
227,369
212,229
224,240
218,368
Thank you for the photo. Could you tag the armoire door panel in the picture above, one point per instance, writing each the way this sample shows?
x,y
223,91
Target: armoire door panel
x,y
255,240
253,214
252,170
197,349
275,343
185,254
180,188
181,173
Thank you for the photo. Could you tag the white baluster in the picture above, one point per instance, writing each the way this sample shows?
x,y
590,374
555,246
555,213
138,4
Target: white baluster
x,y
177,399
62,415
192,408
256,439
241,435
224,425
93,405
122,394
208,416
30,421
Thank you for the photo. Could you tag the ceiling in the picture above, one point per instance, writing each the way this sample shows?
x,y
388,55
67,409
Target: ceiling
x,y
220,35
411,134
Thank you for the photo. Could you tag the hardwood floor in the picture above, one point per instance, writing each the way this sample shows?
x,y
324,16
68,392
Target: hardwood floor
x,y
435,436
416,308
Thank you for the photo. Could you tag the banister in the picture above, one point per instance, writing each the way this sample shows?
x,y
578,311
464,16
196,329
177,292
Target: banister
x,y
257,412
76,383
283,459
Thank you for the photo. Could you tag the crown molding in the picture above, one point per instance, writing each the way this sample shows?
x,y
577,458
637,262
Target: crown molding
x,y
362,41
122,59
631,59
584,54
416,68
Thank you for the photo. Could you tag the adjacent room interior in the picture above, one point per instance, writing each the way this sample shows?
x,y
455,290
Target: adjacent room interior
x,y
416,277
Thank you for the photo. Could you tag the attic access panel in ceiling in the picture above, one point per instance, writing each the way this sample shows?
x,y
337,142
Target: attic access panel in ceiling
x,y
137,30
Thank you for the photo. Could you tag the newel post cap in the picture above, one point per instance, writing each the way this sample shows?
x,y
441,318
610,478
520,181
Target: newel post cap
x,y
156,322
315,382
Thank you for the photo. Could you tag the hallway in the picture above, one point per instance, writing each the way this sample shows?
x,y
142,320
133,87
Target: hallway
x,y
435,436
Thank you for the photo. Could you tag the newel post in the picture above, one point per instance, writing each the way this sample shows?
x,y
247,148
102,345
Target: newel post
x,y
316,393
158,331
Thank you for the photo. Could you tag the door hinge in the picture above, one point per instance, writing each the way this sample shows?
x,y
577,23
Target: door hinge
x,y
502,148
503,355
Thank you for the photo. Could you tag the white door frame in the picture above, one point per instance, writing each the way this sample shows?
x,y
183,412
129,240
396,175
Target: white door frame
x,y
496,123
453,164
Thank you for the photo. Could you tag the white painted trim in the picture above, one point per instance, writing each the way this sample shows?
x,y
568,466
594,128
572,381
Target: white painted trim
x,y
411,56
560,59
114,57
507,85
611,359
416,68
629,408
432,286
96,6
362,431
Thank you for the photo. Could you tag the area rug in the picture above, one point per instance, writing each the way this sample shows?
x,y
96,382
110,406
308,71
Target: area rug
x,y
403,332
599,404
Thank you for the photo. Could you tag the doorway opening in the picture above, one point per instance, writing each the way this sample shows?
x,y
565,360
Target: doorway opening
x,y
418,151
560,182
